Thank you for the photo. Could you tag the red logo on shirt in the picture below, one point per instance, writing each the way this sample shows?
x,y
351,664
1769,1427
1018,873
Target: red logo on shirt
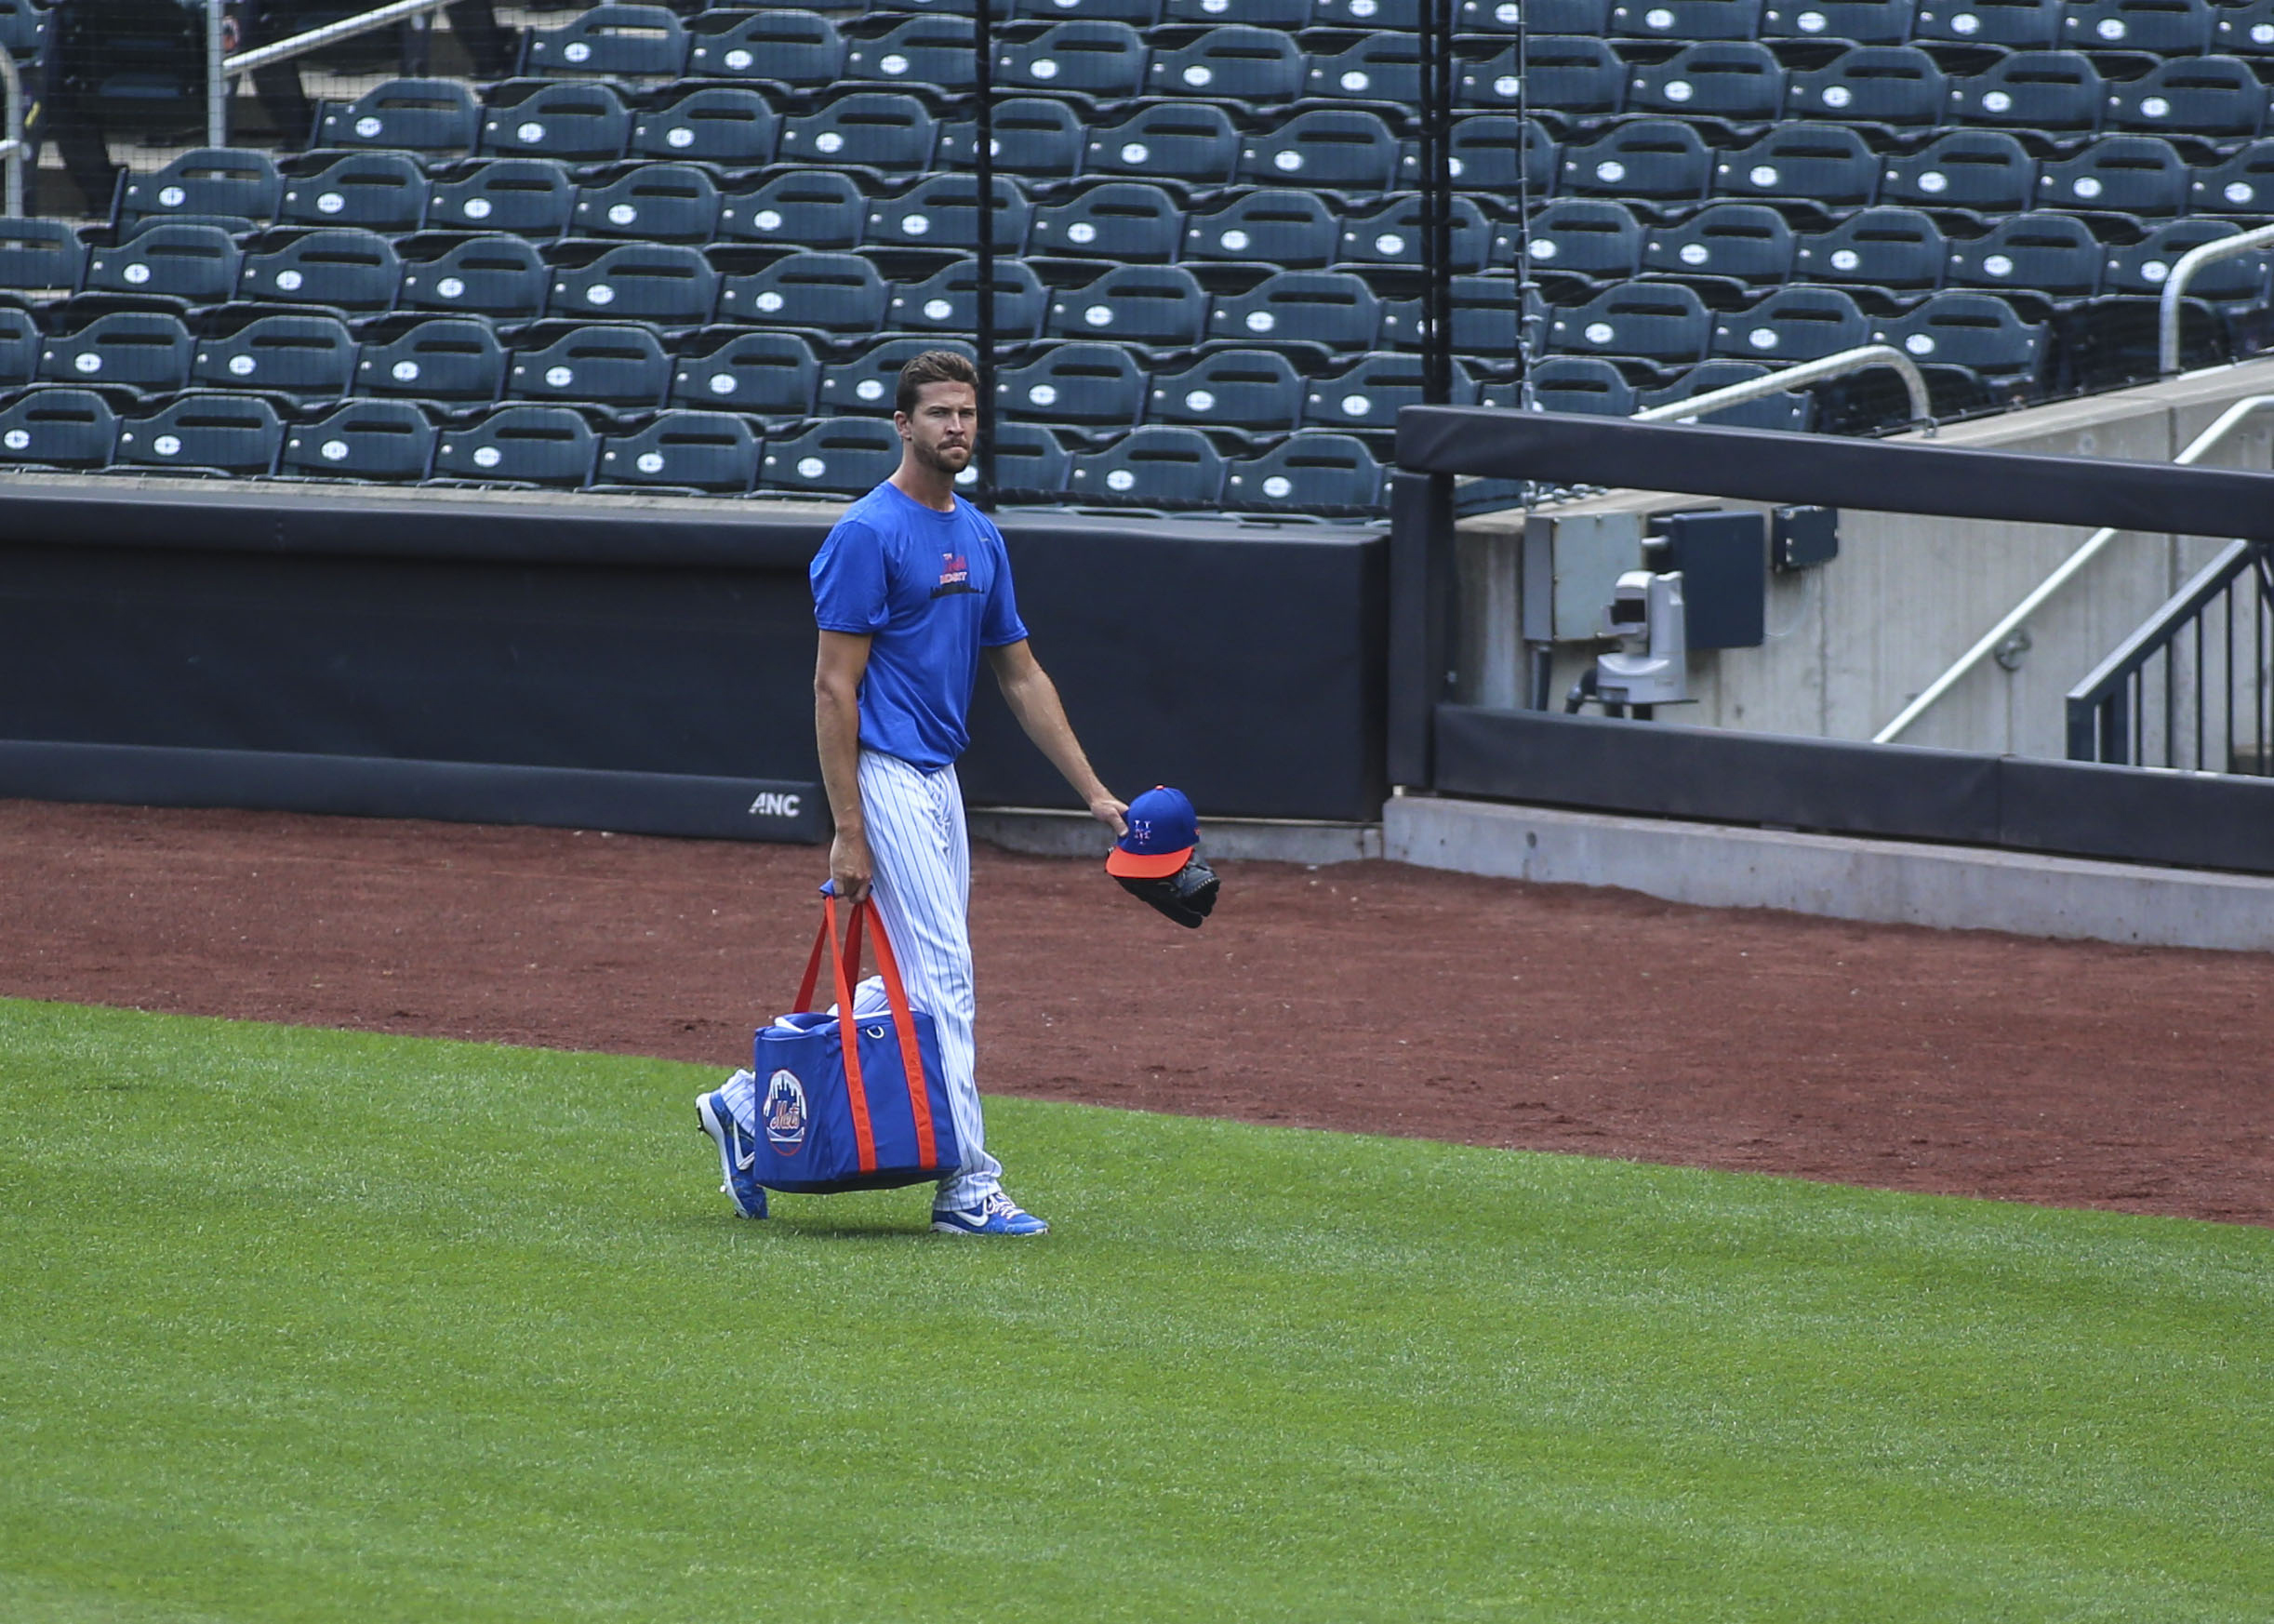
x,y
954,575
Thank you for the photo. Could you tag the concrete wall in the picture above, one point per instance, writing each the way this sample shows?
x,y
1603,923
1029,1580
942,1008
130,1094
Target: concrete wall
x,y
1851,644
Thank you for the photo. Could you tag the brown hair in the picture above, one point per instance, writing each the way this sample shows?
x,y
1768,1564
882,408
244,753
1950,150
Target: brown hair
x,y
933,367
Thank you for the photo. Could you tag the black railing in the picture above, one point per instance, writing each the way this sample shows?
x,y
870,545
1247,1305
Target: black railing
x,y
2191,685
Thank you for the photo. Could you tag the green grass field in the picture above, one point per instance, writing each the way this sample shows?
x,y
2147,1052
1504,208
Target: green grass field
x,y
312,1325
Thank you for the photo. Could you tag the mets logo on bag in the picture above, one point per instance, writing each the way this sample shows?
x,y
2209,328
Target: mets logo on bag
x,y
785,1112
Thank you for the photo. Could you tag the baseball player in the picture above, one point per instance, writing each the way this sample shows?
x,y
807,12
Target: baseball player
x,y
909,590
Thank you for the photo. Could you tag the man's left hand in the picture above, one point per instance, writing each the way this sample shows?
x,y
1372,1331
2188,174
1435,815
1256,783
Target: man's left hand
x,y
1107,810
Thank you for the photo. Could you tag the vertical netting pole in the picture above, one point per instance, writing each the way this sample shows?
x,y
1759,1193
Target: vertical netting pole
x,y
983,161
216,83
1436,204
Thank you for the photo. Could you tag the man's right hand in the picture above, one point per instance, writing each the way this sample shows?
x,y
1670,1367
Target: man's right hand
x,y
850,866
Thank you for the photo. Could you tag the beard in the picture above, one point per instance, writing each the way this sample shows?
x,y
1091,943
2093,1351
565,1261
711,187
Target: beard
x,y
949,459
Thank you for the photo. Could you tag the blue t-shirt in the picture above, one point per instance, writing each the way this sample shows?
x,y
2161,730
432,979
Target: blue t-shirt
x,y
931,589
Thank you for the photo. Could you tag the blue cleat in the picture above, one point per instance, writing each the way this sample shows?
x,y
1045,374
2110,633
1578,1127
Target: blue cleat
x,y
738,1154
998,1215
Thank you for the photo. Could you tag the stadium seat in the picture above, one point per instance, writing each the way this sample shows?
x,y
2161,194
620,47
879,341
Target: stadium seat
x,y
1749,241
935,51
827,293
1586,236
1686,19
1083,58
495,274
2179,28
805,208
764,375
1330,148
1029,463
306,355
419,115
1894,84
1137,14
379,192
1732,79
1485,325
800,50
1870,23
1827,164
1252,391
1652,158
1192,142
227,180
230,434
1571,75
943,212
2048,90
1493,152
1034,137
1979,331
877,130
1968,169
2142,268
615,365
132,349
1664,322
343,267
845,456
2021,25
2205,95
2246,30
870,381
669,284
1156,305
1563,17
519,445
1392,234
174,259
41,256
576,122
531,197
1792,324
1286,15
947,300
2038,252
2243,184
1125,221
1579,383
2130,174
727,125
706,451
1332,309
642,41
57,428
1156,467
21,342
441,358
389,440
666,203
1381,66
1789,411
1255,67
1897,249
1368,392
23,28
1096,385
1307,473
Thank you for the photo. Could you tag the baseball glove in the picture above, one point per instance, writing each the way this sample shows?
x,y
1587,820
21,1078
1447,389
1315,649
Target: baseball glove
x,y
1188,896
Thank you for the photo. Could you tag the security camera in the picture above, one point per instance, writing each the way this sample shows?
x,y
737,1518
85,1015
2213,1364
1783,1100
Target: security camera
x,y
1651,665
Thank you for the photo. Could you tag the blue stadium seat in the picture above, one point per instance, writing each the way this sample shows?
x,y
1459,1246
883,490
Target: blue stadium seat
x,y
132,349
828,293
1586,236
21,342
1098,385
419,115
1256,67
1278,14
1827,164
1899,248
798,50
947,300
1664,322
41,256
2038,252
306,355
870,381
615,365
668,284
1979,331
943,212
1332,309
1155,305
531,197
1192,142
1379,67
1084,58
1369,392
1792,324
1967,168
57,428
1898,85
1158,467
230,433
23,28
1391,234
1686,19
345,267
845,456
1789,411
225,181
2142,268
1485,325
1125,220
1137,14
1653,158
1396,16
667,203
2048,90
441,358
195,264
2021,25
1579,383
1034,137
2181,28
1494,152
1334,148
705,451
878,130
1870,23
1749,241
377,439
1029,463
1571,75
2242,184
1544,16
2246,30
2129,174
494,275
379,192
519,445
762,375
729,124
805,208
578,123
1252,391
641,42
935,51
2203,96
1732,79
1307,473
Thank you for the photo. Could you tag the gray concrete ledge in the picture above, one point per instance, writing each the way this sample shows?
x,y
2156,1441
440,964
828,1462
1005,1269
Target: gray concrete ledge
x,y
1046,833
1836,877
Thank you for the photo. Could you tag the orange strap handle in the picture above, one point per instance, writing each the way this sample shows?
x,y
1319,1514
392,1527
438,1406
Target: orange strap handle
x,y
845,966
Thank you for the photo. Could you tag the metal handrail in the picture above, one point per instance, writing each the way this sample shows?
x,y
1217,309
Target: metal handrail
x,y
2087,699
1860,359
299,45
13,146
2201,446
2182,273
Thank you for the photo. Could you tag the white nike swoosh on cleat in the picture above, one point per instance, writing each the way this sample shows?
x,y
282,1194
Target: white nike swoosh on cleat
x,y
745,1161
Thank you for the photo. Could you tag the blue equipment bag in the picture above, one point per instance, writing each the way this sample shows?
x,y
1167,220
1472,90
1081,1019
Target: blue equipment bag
x,y
847,1103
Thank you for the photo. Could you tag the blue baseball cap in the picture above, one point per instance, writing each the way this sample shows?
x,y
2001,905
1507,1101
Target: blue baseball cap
x,y
1163,831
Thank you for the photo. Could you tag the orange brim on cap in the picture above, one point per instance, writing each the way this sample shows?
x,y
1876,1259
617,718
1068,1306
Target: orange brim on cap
x,y
1131,866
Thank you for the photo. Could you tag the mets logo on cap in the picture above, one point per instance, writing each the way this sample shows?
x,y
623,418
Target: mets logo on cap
x,y
785,1112
1163,832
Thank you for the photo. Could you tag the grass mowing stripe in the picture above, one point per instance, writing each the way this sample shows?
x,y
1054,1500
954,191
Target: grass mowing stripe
x,y
299,1324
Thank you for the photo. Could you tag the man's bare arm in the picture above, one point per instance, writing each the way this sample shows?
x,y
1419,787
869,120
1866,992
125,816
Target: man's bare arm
x,y
838,668
1033,699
